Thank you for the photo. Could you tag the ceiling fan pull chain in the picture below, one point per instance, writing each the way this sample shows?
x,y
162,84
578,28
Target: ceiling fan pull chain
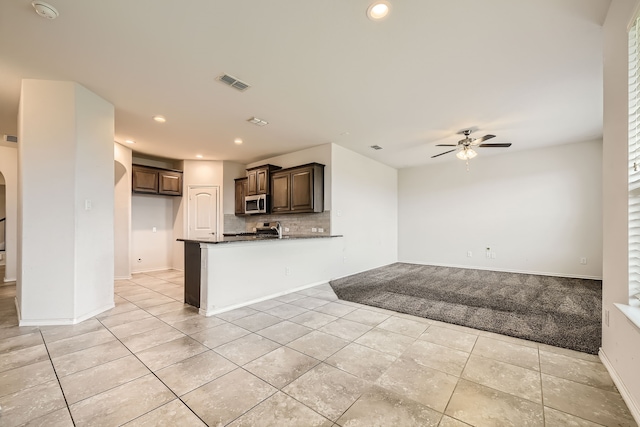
x,y
467,162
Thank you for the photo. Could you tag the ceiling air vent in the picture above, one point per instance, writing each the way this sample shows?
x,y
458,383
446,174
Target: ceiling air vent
x,y
258,122
376,147
10,138
233,82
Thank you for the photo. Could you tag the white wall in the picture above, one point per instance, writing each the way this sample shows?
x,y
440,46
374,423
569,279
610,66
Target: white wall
x,y
319,154
9,170
151,250
94,227
65,231
277,267
539,211
122,211
231,171
365,210
620,339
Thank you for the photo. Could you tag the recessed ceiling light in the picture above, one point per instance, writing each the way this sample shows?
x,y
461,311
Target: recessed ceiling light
x,y
378,10
237,141
159,119
258,122
129,141
199,156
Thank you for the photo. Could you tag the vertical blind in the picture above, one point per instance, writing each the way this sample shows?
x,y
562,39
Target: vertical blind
x,y
634,164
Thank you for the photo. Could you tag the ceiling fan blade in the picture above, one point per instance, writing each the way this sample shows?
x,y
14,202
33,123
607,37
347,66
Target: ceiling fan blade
x,y
496,144
446,152
483,139
446,145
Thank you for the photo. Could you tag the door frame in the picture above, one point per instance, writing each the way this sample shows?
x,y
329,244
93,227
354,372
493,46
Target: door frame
x,y
218,207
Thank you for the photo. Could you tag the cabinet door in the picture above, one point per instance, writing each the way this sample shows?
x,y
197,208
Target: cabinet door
x,y
262,178
302,190
170,183
280,192
241,191
252,183
145,180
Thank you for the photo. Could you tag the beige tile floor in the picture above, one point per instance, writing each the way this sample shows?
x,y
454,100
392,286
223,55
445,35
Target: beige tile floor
x,y
303,359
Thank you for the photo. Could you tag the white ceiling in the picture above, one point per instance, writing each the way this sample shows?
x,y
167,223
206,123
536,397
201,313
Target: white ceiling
x,y
529,71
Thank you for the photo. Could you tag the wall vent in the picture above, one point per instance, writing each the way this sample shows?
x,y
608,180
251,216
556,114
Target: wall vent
x,y
376,147
233,82
10,138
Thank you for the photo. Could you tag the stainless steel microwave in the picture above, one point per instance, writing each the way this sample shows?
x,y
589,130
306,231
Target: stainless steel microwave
x,y
258,204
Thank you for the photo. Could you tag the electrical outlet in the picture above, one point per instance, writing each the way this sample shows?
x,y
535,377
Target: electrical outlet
x,y
286,229
606,317
320,230
154,229
344,259
469,254
314,230
583,260
493,255
287,271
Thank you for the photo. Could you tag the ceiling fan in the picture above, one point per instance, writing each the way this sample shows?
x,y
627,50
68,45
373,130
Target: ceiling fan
x,y
465,146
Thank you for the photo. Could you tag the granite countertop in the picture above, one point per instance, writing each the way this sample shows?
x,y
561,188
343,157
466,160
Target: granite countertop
x,y
236,239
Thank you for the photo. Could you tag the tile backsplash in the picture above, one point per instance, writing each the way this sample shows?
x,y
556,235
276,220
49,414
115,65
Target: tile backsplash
x,y
296,223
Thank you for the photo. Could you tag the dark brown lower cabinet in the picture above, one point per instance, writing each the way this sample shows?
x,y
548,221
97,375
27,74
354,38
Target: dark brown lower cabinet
x,y
192,273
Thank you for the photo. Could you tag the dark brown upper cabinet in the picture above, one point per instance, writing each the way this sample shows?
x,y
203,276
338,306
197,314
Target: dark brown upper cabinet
x,y
241,191
258,181
298,190
150,180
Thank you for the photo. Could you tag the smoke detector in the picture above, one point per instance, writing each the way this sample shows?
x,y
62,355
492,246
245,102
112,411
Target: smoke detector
x,y
45,9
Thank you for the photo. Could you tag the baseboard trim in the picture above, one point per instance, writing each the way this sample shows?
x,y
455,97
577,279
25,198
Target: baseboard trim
x,y
154,270
61,322
122,277
208,313
633,406
506,270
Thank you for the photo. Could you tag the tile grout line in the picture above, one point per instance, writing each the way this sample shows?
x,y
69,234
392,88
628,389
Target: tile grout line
x,y
55,371
153,373
544,421
459,378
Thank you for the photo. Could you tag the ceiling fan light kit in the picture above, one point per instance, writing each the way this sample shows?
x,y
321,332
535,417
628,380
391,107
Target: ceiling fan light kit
x,y
465,146
466,154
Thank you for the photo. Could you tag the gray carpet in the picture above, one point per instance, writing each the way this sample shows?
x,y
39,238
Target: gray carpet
x,y
562,312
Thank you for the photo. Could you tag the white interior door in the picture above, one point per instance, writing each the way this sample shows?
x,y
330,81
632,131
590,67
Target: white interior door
x,y
203,212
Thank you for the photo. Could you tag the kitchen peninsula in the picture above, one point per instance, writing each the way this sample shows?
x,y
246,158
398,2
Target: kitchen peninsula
x,y
233,271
